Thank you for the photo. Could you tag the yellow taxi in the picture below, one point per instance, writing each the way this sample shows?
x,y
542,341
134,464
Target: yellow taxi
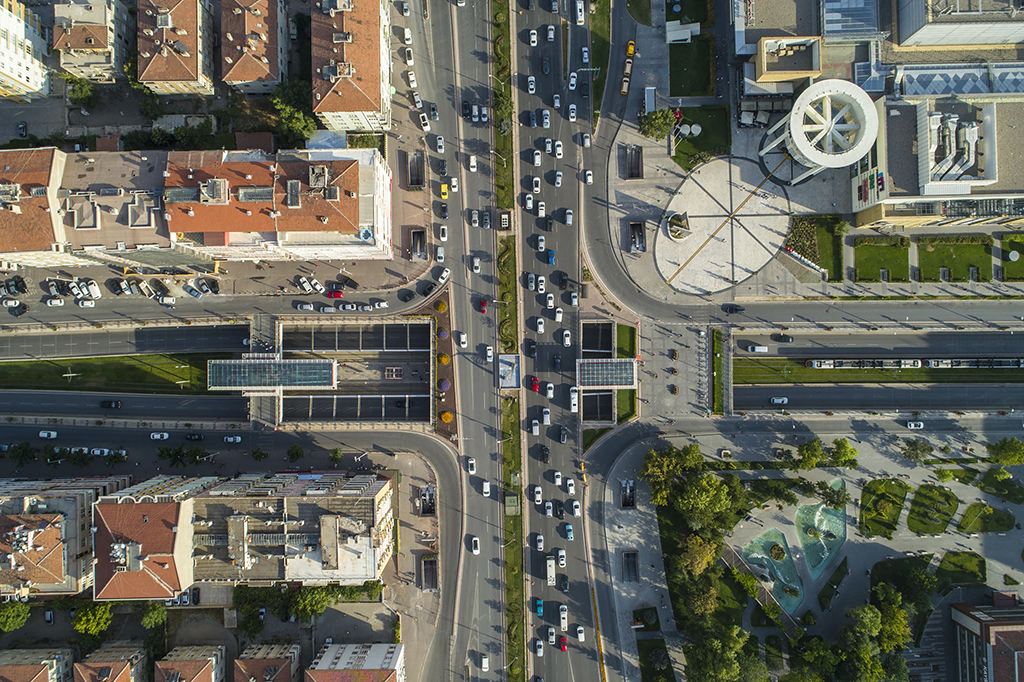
x,y
444,190
630,48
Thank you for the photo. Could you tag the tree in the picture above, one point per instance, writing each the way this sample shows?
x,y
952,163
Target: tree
x,y
150,107
818,654
22,453
837,498
173,456
713,657
295,452
702,500
1001,474
13,615
661,467
79,457
894,632
698,553
747,581
81,92
259,455
310,602
810,454
702,597
944,475
843,454
867,619
802,675
194,137
917,450
293,101
895,668
93,619
154,615
336,455
752,668
1008,452
657,124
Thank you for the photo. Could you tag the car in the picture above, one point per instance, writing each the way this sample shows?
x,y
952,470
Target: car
x,y
308,307
316,285
417,100
540,542
630,48
542,209
463,343
566,338
549,390
531,281
476,113
49,435
915,426
541,284
563,435
572,80
574,507
546,118
232,439
48,616
184,598
570,486
568,216
348,307
540,325
586,140
474,542
558,314
545,65
485,660
563,617
533,119
533,38
159,435
536,157
572,113
549,509
166,300
556,101
586,55
483,301
548,144
780,401
558,178
574,300
588,177
579,633
11,287
86,303
568,530
262,613
408,56
540,242
528,202
424,123
444,190
539,648
11,302
536,185
465,109
563,643
22,129
195,596
73,287
476,270
443,211
574,399
194,436
537,495
561,558
557,361
486,215
558,478
535,385
490,353
412,79
19,284
549,301
782,338
471,465
732,309
428,290
110,404
53,289
201,284
551,635
365,307
404,7
474,218
439,142
472,163
454,182
545,454
306,286
443,233
558,149
336,294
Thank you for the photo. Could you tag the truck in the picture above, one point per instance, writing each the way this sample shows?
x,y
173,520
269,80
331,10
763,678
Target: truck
x,y
551,570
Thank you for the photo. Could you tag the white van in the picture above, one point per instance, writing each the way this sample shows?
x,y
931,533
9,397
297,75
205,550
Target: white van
x,y
757,349
486,489
579,13
408,36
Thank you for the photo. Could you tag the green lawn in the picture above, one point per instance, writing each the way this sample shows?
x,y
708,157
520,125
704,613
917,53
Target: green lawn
x,y
718,390
508,330
784,370
625,404
513,538
648,672
127,373
870,259
881,506
828,590
690,12
932,509
691,68
590,436
894,571
1008,490
600,47
830,248
981,518
818,238
959,258
965,475
640,10
773,652
626,340
1013,272
960,567
714,140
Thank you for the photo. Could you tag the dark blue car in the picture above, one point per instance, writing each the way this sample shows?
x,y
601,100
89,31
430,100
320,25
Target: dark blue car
x,y
551,256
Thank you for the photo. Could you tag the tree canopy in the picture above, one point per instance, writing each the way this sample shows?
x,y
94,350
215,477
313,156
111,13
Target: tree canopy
x,y
657,124
1008,452
702,500
93,619
13,615
713,658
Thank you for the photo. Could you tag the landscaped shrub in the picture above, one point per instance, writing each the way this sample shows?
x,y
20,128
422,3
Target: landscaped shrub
x,y
447,417
441,306
777,552
803,238
881,241
444,358
983,239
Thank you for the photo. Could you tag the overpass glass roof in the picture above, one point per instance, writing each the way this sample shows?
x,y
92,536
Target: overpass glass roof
x,y
606,373
270,373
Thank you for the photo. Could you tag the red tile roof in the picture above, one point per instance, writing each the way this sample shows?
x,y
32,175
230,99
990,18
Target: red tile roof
x,y
166,54
149,527
31,228
362,90
109,143
234,216
248,43
42,560
117,671
342,215
183,671
23,673
351,675
73,36
246,668
1008,656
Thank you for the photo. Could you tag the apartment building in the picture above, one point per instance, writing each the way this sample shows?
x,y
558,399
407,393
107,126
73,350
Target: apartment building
x,y
114,661
24,75
36,665
175,46
351,42
989,640
92,37
254,45
273,662
191,664
45,540
357,662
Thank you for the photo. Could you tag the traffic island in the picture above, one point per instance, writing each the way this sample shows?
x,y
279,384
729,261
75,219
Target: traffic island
x,y
512,521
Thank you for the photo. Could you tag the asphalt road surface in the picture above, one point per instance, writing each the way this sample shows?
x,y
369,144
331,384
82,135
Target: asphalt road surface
x,y
133,406
920,345
184,339
882,397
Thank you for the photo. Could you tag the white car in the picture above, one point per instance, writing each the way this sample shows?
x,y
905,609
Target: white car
x,y
537,499
542,209
549,301
474,542
529,202
424,123
471,465
380,304
443,233
11,303
94,289
915,426
551,33
540,325
86,303
476,265
557,101
159,435
586,140
566,338
574,507
563,616
586,55
316,285
536,185
568,216
572,113
558,178
588,177
533,38
445,276
540,242
49,435
579,633
55,302
454,184
548,144
574,300
570,486
558,314
536,157
472,163
572,80
539,648
99,452
558,478
75,290
232,439
440,144
551,635
412,79
306,286
541,282
490,353
540,542
408,56
561,558
549,509
558,149
531,85
549,391
463,342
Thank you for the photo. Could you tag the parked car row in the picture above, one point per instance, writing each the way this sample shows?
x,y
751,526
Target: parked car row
x,y
340,307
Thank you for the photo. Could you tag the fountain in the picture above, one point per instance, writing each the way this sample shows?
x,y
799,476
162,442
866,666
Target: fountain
x,y
822,531
762,552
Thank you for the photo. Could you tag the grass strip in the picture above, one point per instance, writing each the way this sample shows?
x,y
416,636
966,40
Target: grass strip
x,y
958,258
965,475
117,373
828,590
1008,490
625,404
640,10
1013,271
981,518
626,340
932,509
881,506
504,112
959,568
600,47
718,390
750,370
515,597
590,436
508,316
871,259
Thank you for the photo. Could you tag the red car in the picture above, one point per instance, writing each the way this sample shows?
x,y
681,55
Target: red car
x,y
483,305
563,643
335,294
535,386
